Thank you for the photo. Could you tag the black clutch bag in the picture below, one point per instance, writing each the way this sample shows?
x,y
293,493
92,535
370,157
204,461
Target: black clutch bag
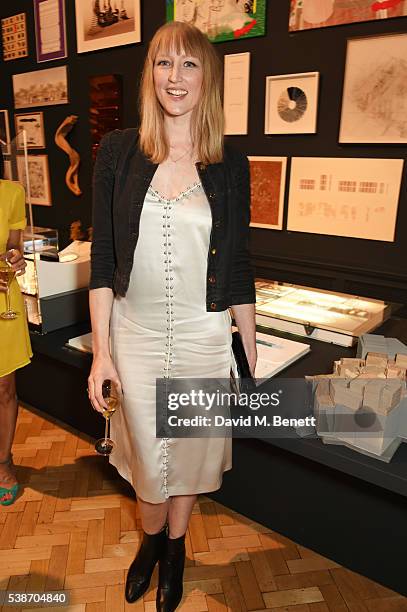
x,y
246,382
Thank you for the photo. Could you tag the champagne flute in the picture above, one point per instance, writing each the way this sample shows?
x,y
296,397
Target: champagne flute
x,y
104,446
6,278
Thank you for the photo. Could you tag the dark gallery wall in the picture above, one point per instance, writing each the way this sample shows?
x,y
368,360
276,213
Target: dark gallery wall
x,y
373,268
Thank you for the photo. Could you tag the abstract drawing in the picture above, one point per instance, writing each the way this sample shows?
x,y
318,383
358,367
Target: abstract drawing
x,y
14,35
308,14
291,103
221,20
374,108
267,180
351,197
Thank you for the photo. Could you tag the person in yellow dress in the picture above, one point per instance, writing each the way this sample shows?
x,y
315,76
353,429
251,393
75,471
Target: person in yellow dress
x,y
14,337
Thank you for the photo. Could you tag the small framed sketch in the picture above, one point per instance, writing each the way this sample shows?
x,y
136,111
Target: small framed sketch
x,y
41,87
375,90
267,182
291,103
50,30
103,25
40,190
4,131
221,20
33,124
14,36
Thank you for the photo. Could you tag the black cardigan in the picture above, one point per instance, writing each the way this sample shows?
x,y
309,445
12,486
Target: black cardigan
x,y
121,178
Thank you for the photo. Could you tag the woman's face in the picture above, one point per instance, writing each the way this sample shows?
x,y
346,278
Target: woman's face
x,y
178,82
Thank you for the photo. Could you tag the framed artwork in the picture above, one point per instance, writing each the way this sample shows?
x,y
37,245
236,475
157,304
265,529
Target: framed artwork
x,y
291,103
350,197
4,131
50,30
375,90
221,20
41,87
267,182
102,24
33,124
14,37
236,92
308,14
40,190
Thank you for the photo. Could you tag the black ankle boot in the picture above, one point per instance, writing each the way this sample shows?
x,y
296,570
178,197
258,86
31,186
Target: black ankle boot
x,y
141,569
170,574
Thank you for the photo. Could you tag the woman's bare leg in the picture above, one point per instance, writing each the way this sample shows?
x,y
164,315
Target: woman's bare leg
x,y
8,419
153,516
179,513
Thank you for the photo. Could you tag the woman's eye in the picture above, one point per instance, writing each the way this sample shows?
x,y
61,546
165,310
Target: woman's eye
x,y
189,64
163,63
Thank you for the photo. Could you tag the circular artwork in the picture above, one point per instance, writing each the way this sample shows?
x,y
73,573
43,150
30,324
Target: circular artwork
x,y
292,104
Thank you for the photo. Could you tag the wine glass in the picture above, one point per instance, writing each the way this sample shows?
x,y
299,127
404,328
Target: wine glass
x,y
6,277
104,446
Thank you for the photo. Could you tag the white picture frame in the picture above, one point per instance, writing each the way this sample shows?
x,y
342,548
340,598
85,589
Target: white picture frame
x,y
91,36
236,92
41,87
372,109
348,197
291,103
5,131
33,123
40,188
267,182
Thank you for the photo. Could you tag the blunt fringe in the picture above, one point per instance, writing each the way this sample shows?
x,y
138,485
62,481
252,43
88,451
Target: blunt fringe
x,y
207,121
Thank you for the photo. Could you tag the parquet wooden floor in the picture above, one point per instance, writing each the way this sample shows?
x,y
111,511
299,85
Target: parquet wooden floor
x,y
76,526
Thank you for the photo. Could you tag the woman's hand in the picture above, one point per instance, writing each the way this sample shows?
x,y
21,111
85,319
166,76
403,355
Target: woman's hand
x,y
16,261
102,369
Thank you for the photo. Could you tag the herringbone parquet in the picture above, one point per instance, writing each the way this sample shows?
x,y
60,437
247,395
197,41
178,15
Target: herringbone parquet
x,y
76,526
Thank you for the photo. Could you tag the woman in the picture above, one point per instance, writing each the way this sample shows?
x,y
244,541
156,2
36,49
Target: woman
x,y
171,222
15,340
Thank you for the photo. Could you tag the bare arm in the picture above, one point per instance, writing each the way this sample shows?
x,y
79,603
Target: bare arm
x,y
245,317
100,303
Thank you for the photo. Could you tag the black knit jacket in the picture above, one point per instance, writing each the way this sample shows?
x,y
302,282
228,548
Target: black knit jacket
x,y
121,178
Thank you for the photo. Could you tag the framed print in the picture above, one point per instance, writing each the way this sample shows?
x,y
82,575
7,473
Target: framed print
x,y
33,124
291,103
50,30
4,131
221,20
105,24
308,14
375,89
350,197
236,92
267,183
40,190
41,87
14,37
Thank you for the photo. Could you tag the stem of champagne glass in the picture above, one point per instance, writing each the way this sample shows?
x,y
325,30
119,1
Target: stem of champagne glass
x,y
106,427
8,305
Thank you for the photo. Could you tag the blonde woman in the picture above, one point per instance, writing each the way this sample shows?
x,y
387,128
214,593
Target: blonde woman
x,y
169,257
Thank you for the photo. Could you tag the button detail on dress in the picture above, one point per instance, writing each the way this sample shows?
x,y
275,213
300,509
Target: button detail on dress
x,y
213,305
212,279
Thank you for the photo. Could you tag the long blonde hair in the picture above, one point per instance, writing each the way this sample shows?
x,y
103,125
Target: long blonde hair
x,y
207,121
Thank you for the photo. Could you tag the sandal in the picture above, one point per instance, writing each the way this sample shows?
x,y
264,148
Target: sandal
x,y
12,492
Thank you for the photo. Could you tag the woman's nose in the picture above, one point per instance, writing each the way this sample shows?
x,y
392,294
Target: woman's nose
x,y
174,75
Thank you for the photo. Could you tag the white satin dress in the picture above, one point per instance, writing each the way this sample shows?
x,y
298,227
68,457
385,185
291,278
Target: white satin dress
x,y
160,329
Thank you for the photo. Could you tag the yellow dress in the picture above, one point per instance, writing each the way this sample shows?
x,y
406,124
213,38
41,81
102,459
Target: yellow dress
x,y
14,337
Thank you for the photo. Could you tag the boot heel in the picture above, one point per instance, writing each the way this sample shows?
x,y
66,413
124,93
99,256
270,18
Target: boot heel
x,y
170,575
140,571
